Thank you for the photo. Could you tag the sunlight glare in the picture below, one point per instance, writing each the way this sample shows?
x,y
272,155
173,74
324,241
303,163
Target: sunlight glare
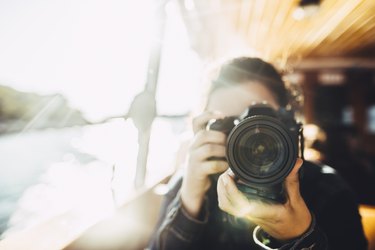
x,y
94,53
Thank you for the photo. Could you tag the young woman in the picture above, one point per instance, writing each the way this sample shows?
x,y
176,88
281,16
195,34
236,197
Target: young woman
x,y
201,212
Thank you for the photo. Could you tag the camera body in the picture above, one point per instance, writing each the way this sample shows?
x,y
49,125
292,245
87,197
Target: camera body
x,y
262,148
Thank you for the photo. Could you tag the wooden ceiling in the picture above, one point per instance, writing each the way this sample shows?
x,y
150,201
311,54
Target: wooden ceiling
x,y
266,28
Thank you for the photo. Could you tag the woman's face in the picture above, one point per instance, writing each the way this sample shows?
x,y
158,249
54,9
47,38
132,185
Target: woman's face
x,y
233,100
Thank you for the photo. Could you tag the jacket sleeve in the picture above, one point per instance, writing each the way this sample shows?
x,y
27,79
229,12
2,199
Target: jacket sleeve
x,y
175,228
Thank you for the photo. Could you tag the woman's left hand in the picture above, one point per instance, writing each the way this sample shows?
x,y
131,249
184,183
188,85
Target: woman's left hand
x,y
281,221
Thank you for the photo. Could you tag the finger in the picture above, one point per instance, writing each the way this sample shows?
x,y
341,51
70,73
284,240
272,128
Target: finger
x,y
214,167
230,173
208,151
254,210
292,181
208,137
200,122
239,204
223,199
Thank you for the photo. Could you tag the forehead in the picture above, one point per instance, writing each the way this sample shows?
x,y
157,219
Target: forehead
x,y
233,100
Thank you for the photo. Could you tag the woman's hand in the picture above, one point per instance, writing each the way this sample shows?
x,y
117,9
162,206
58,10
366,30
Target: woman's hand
x,y
281,221
205,145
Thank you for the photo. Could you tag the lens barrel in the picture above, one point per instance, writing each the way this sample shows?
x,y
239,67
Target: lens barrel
x,y
261,151
262,148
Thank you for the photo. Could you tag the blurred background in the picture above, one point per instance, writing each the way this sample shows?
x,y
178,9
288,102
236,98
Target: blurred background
x,y
96,97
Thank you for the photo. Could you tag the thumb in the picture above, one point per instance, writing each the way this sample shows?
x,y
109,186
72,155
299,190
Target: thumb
x,y
292,180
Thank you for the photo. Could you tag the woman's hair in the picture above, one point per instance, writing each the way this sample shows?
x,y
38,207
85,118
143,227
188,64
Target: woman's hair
x,y
243,69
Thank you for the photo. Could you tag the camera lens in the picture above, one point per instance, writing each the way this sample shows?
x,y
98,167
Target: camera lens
x,y
260,150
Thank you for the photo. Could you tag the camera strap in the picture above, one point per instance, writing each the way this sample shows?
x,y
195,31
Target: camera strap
x,y
301,140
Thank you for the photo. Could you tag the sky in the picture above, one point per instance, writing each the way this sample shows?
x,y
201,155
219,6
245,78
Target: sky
x,y
95,53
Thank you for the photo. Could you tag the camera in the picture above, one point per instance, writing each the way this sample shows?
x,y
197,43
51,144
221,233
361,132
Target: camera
x,y
262,147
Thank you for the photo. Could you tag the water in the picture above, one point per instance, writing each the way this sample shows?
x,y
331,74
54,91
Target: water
x,y
45,173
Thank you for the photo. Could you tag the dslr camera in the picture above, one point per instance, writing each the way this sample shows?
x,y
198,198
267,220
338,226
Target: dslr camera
x,y
262,147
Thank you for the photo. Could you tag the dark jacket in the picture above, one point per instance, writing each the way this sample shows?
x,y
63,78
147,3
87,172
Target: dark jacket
x,y
336,220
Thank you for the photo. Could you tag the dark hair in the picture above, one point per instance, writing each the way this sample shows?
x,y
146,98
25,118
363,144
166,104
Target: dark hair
x,y
242,69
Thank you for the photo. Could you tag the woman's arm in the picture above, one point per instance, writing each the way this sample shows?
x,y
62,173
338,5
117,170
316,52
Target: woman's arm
x,y
185,210
176,229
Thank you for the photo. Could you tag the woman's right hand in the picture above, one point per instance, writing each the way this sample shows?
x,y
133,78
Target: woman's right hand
x,y
206,144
